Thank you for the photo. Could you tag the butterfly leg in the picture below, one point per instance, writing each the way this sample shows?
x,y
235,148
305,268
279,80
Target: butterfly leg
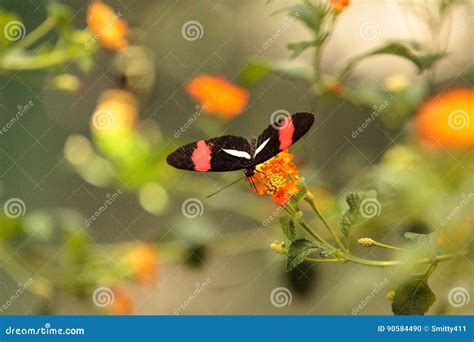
x,y
252,184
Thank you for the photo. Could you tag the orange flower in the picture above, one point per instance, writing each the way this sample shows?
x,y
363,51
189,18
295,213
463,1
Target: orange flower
x,y
339,5
122,304
448,118
277,178
107,26
116,113
218,96
441,240
143,262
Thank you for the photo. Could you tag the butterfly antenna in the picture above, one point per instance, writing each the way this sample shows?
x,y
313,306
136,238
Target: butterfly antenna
x,y
225,187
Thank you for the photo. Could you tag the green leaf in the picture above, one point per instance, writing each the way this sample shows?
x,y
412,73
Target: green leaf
x,y
406,49
85,62
253,72
416,238
312,15
425,244
62,12
413,297
299,47
362,206
39,224
299,216
297,197
288,226
300,249
411,51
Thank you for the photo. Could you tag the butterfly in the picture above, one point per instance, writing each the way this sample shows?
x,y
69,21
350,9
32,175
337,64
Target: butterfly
x,y
231,153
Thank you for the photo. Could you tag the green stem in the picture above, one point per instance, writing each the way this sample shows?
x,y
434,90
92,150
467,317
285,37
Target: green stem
x,y
307,228
35,62
321,260
383,245
383,263
37,33
309,198
431,269
317,64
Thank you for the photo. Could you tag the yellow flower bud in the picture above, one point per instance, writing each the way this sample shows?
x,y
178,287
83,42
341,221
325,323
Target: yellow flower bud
x,y
279,248
366,242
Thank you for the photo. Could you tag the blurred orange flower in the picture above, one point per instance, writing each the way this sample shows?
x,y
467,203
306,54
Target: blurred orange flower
x,y
218,96
107,26
447,118
277,178
116,113
122,304
339,5
143,262
441,240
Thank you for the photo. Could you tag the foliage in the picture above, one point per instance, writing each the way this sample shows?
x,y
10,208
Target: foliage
x,y
413,297
123,151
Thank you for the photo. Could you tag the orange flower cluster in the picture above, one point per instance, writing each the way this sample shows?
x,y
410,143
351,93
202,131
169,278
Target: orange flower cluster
x,y
122,304
448,119
339,5
142,260
277,178
107,26
218,96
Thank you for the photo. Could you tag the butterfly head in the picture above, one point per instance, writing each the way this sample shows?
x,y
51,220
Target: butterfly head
x,y
249,172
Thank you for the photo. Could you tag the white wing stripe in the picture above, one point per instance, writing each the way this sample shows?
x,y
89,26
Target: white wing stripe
x,y
236,153
260,148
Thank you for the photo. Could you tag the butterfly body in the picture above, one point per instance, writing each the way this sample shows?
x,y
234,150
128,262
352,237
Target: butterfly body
x,y
231,153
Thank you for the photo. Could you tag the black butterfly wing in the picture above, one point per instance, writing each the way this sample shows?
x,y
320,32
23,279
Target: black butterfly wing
x,y
279,136
226,153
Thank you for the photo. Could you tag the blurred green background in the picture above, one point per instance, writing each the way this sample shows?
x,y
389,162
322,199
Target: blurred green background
x,y
63,171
